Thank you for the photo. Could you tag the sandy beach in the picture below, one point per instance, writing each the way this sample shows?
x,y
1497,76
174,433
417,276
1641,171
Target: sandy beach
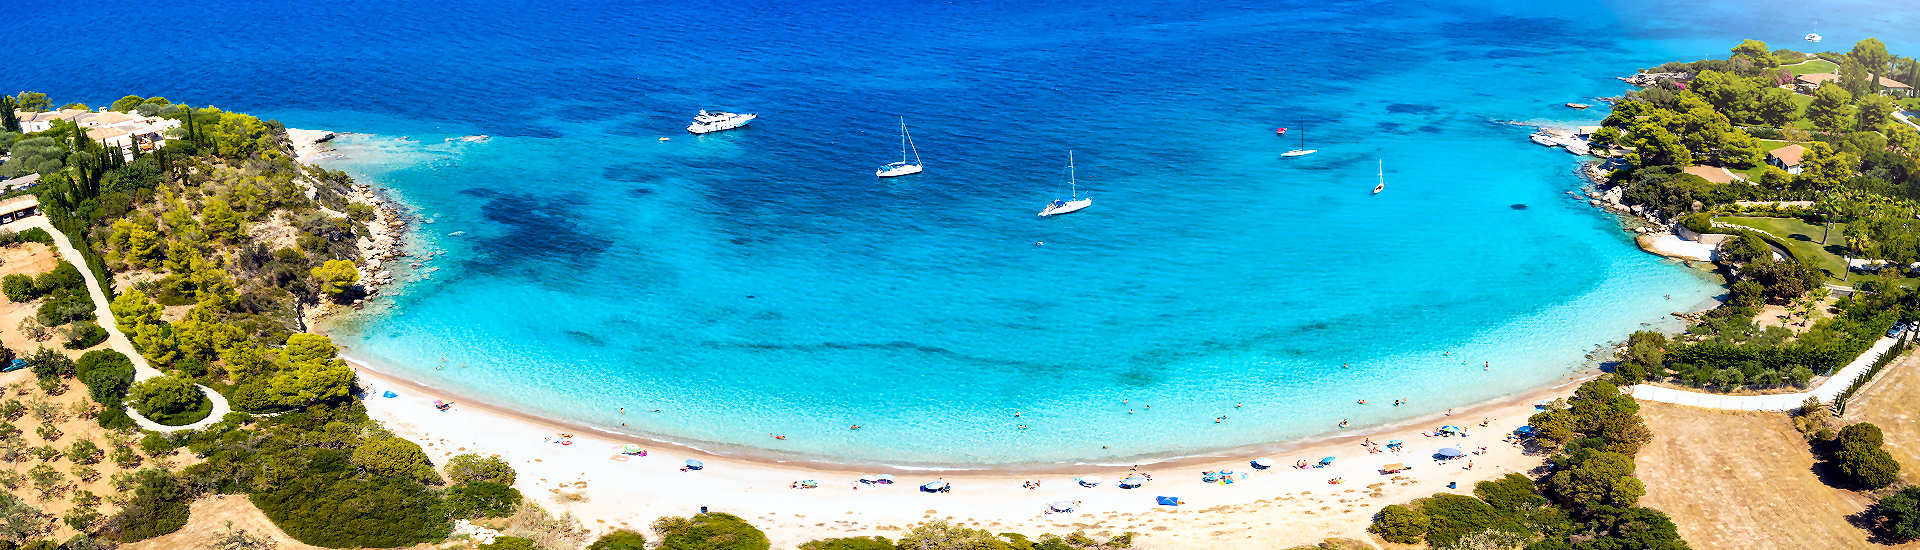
x,y
590,479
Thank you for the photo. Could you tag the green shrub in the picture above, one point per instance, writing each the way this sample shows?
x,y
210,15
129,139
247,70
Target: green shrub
x,y
470,467
158,507
85,334
172,400
1898,514
18,288
47,363
1452,517
711,531
623,539
481,499
1400,524
325,504
389,456
510,543
107,374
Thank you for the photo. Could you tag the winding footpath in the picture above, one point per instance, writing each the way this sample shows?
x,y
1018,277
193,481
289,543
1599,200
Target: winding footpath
x,y
1826,391
116,340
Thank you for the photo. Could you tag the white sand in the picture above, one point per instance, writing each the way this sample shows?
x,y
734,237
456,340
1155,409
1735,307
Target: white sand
x,y
306,144
1272,508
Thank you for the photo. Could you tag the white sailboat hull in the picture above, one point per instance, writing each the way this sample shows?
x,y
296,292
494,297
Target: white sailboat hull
x,y
1299,152
1066,207
893,170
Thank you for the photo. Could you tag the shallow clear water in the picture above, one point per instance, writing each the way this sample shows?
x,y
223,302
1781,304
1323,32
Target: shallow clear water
x,y
762,281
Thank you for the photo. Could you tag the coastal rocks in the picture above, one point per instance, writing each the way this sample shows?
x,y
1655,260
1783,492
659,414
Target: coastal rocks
x,y
1648,79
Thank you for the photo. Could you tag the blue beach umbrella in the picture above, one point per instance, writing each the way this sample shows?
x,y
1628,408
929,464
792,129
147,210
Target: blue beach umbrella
x,y
934,486
1132,483
1450,452
1450,428
1327,460
1262,463
1167,501
1524,430
695,464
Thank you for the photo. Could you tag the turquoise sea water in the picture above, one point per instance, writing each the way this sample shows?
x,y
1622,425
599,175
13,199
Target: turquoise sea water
x,y
762,281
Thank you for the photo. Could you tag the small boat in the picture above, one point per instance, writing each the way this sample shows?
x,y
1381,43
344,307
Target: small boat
x,y
1813,37
1578,105
1383,176
1072,204
1302,150
1577,147
1280,132
902,168
714,121
1544,139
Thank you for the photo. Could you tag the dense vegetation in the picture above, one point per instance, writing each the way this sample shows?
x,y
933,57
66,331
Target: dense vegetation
x,y
1586,501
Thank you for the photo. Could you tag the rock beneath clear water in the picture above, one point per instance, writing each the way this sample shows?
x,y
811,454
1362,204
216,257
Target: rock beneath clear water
x,y
1517,206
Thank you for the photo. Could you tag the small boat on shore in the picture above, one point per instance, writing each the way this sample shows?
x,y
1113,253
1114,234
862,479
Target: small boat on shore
x,y
1578,105
1074,203
715,121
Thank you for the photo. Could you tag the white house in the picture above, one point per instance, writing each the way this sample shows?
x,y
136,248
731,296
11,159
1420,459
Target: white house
x,y
1787,158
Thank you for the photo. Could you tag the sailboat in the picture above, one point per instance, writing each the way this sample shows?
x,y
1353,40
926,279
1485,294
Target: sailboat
x,y
1303,150
1073,204
902,168
1382,167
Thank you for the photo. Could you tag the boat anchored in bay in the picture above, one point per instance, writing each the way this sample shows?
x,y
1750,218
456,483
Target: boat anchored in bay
x,y
1074,203
714,121
1302,150
902,168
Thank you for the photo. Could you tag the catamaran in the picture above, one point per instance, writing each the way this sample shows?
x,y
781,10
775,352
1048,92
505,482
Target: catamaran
x,y
902,168
1303,150
1378,165
1072,204
715,121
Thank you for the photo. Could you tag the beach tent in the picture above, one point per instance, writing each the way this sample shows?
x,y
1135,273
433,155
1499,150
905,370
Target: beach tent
x,y
1326,461
1089,481
1132,483
1450,452
935,487
1061,506
1167,501
883,479
695,464
1262,463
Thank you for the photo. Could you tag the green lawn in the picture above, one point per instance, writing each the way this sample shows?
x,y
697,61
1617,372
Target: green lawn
x,y
1800,103
1802,239
1752,174
1812,66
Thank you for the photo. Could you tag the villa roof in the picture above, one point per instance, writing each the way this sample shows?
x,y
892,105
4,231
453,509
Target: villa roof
x,y
1817,78
106,132
19,203
1789,155
1891,83
63,114
1710,173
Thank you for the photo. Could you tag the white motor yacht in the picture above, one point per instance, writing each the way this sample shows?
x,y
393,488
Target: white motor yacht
x,y
714,121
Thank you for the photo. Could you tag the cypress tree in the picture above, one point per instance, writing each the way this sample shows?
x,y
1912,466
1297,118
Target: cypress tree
x,y
8,121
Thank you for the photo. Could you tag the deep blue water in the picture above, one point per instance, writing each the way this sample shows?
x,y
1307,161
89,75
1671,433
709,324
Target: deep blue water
x,y
762,281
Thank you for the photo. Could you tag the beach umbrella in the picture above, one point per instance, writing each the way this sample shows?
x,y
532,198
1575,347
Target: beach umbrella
x,y
1262,463
1210,477
1089,481
867,479
1167,501
1132,482
630,448
1450,428
1394,442
884,478
1524,430
695,464
1061,506
934,486
1450,452
1327,460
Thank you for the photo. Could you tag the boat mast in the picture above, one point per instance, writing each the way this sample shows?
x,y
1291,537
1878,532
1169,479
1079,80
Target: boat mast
x,y
1072,182
1382,167
908,136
